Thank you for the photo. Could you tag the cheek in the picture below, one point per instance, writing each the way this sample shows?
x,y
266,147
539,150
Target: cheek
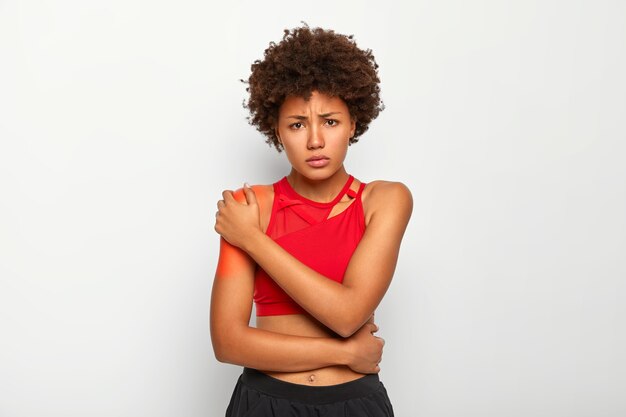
x,y
344,150
290,153
342,137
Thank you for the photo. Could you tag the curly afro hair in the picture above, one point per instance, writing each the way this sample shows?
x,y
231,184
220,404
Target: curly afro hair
x,y
307,60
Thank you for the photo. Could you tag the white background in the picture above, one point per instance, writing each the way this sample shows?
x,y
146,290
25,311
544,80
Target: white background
x,y
121,122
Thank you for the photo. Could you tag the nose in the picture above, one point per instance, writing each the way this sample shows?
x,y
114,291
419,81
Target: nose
x,y
315,139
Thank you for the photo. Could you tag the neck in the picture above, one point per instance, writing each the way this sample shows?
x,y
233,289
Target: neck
x,y
322,190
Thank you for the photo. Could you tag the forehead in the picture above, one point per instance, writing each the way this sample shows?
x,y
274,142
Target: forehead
x,y
317,103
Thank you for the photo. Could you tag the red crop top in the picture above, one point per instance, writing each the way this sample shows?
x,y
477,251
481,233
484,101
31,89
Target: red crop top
x,y
302,227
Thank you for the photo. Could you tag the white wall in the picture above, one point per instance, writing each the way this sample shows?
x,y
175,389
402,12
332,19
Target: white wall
x,y
121,123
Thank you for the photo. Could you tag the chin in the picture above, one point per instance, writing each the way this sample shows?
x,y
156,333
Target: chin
x,y
317,173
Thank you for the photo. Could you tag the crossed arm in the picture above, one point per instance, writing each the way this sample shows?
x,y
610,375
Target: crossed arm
x,y
347,309
347,306
234,341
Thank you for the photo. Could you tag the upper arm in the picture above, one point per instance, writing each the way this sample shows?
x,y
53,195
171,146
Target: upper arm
x,y
373,263
233,286
231,295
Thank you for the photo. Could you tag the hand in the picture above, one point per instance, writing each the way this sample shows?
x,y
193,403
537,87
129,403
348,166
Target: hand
x,y
365,349
237,222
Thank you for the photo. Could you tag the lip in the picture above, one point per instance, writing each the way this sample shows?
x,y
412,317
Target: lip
x,y
316,157
318,163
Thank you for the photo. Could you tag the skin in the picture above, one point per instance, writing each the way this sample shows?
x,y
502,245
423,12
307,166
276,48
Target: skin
x,y
334,342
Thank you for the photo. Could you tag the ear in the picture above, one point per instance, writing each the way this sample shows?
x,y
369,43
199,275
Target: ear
x,y
352,126
277,135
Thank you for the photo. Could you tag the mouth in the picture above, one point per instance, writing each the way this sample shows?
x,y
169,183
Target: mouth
x,y
316,158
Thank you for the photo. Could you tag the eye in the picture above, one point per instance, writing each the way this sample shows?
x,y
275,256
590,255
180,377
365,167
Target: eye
x,y
296,125
332,122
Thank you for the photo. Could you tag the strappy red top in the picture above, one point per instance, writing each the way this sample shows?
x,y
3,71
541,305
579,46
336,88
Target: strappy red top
x,y
302,227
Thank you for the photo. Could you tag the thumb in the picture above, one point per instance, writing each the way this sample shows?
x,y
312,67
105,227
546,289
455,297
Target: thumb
x,y
250,195
374,328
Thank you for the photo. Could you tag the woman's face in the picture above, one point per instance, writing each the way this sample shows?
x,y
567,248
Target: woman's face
x,y
318,127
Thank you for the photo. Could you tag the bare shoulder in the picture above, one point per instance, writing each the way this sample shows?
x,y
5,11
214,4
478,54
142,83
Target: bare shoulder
x,y
263,193
388,197
381,192
264,196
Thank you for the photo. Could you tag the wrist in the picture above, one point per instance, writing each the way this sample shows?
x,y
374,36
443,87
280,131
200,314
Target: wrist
x,y
344,352
253,241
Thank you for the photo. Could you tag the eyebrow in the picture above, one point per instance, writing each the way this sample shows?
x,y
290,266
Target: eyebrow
x,y
295,116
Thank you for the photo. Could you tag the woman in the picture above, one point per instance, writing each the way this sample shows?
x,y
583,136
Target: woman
x,y
317,249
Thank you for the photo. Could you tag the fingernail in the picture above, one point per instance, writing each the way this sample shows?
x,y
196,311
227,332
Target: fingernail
x,y
245,184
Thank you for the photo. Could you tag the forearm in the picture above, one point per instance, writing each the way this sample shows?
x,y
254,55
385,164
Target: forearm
x,y
270,351
307,287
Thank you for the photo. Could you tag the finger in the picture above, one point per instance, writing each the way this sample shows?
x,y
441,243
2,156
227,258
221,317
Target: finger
x,y
228,196
249,193
217,213
220,203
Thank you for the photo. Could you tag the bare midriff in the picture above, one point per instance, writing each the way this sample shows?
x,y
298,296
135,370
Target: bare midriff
x,y
305,325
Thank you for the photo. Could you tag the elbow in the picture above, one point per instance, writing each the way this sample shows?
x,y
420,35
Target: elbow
x,y
218,357
347,328
220,353
218,350
345,333
224,346
349,324
224,353
348,332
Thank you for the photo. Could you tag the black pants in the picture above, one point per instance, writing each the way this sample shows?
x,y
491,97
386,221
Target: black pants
x,y
260,395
